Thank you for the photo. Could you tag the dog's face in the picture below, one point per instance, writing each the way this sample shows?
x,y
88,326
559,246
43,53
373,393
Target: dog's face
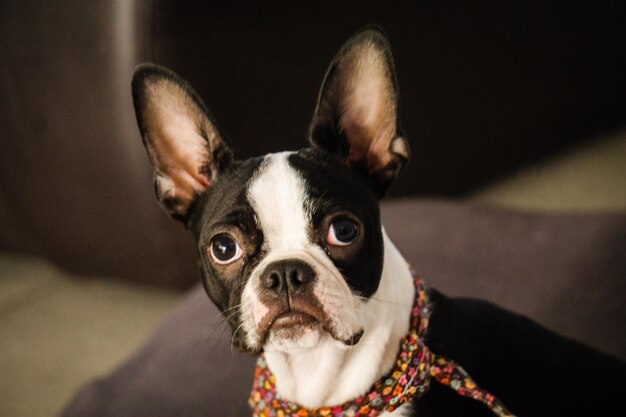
x,y
290,244
289,254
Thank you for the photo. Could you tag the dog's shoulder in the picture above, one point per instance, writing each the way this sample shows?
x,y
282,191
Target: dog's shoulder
x,y
533,370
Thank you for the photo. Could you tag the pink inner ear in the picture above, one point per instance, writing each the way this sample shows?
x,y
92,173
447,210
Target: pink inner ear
x,y
181,153
369,109
177,149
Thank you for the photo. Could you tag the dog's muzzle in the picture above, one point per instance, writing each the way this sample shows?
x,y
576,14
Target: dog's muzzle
x,y
287,290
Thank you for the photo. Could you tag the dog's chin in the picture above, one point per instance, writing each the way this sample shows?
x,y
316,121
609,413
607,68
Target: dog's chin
x,y
301,323
295,338
292,331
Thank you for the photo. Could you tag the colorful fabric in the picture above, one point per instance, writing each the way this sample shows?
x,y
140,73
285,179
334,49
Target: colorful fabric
x,y
410,378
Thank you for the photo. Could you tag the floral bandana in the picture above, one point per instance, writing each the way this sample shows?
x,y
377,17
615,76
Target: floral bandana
x,y
410,378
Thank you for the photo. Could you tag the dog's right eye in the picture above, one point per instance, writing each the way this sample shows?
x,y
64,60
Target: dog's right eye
x,y
224,249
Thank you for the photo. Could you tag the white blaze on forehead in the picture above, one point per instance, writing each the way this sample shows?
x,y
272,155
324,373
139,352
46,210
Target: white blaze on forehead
x,y
278,197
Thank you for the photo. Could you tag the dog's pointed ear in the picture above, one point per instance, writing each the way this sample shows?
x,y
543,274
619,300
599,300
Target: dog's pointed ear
x,y
184,146
356,116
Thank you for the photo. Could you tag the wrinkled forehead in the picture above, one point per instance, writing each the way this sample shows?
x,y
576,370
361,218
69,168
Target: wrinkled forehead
x,y
286,193
309,182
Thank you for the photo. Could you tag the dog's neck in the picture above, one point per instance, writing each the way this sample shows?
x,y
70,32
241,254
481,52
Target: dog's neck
x,y
331,373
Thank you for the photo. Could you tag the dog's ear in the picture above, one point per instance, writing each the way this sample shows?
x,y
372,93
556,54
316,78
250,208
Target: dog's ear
x,y
184,145
356,116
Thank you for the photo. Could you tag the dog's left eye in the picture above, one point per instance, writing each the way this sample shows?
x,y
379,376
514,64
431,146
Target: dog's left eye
x,y
342,232
224,249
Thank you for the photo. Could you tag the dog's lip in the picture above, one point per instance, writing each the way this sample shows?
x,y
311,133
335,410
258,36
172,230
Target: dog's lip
x,y
299,313
292,318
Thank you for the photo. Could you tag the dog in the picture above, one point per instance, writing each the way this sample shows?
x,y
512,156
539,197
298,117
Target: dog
x,y
292,251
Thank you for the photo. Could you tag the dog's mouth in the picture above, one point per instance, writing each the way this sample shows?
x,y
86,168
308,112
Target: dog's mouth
x,y
286,323
294,321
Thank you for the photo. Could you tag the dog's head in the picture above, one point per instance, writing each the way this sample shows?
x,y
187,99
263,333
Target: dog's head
x,y
290,244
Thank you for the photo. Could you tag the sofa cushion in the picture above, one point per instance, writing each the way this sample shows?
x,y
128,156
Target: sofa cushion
x,y
567,271
564,270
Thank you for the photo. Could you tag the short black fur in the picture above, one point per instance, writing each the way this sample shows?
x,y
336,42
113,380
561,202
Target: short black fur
x,y
534,371
225,205
333,187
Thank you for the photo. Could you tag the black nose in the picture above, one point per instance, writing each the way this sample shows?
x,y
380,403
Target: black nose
x,y
287,275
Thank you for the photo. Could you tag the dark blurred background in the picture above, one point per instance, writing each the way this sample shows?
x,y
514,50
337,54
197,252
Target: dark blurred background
x,y
486,88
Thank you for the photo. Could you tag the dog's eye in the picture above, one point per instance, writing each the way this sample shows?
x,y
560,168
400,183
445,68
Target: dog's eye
x,y
224,249
342,232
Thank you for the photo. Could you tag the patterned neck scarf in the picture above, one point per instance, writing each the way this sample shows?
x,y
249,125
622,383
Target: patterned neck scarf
x,y
410,378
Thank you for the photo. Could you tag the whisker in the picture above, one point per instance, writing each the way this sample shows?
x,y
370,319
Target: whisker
x,y
231,308
232,339
380,300
213,329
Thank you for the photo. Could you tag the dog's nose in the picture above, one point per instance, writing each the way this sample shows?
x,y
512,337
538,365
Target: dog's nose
x,y
287,275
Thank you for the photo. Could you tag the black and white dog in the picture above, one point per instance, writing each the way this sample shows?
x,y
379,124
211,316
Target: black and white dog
x,y
292,251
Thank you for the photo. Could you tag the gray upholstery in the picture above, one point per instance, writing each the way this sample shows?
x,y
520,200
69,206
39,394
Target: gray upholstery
x,y
566,271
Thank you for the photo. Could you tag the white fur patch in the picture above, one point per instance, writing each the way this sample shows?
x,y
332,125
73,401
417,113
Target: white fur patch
x,y
330,372
278,198
317,370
